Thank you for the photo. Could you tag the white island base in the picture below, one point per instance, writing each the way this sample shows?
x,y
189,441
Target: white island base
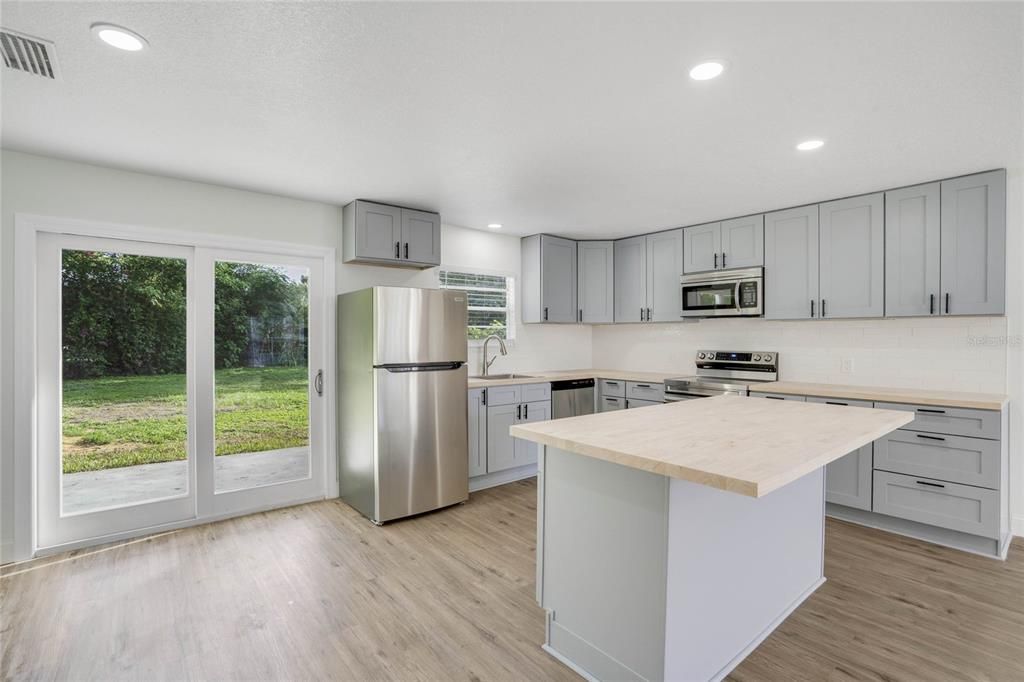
x,y
647,577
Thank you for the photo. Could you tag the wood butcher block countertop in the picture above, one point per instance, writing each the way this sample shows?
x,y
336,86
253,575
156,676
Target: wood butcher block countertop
x,y
744,445
541,377
978,401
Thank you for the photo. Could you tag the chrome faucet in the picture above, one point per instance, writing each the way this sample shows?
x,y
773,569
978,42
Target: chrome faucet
x,y
501,347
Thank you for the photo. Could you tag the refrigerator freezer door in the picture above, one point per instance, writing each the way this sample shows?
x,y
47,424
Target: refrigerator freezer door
x,y
422,434
416,326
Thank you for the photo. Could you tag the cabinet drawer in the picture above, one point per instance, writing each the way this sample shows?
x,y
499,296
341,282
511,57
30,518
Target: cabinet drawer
x,y
632,403
613,387
610,402
644,391
955,421
532,393
971,461
777,396
947,505
504,395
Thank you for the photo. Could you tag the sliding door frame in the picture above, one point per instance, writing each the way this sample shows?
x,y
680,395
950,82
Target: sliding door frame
x,y
27,228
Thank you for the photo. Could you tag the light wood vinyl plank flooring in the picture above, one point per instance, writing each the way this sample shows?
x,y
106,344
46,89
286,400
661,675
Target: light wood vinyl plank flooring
x,y
317,592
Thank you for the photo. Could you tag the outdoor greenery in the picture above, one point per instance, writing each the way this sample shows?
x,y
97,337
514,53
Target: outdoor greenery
x,y
118,421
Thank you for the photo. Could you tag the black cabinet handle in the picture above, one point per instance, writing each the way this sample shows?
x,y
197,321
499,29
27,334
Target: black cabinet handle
x,y
483,397
823,307
723,259
922,409
545,314
641,314
526,410
921,435
929,483
612,383
398,252
643,385
931,304
812,307
774,397
407,250
581,315
947,303
648,314
519,412
716,261
831,403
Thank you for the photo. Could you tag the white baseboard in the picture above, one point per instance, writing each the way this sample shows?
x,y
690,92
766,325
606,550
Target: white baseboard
x,y
502,477
1017,526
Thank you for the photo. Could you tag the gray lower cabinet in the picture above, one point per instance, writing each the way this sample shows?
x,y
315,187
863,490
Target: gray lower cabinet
x,y
631,279
612,387
963,508
973,236
642,390
957,459
595,289
477,433
501,447
912,251
791,263
777,396
610,403
506,406
525,451
953,421
848,479
851,257
390,235
633,403
549,279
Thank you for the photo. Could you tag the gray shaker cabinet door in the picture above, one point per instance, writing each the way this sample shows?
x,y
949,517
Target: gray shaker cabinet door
x,y
912,251
630,279
973,231
557,279
791,263
500,445
848,479
477,433
526,451
852,257
742,242
421,237
664,267
595,290
378,231
702,247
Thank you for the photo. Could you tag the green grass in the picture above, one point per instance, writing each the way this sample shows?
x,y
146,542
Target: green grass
x,y
123,421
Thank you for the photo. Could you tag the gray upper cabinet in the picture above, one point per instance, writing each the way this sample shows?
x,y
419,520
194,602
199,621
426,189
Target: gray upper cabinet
x,y
973,236
852,257
421,237
549,279
631,279
595,289
702,247
390,235
664,266
743,242
791,263
912,251
477,433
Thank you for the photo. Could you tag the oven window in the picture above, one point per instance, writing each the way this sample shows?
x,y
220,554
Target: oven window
x,y
709,296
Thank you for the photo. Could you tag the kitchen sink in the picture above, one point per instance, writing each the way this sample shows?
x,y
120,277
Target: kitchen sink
x,y
506,377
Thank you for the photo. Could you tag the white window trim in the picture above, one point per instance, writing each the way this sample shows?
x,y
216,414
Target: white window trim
x,y
26,229
512,308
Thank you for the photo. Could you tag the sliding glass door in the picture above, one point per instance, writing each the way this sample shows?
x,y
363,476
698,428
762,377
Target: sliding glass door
x,y
174,383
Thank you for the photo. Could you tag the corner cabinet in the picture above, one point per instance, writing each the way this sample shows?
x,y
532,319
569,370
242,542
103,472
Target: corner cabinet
x,y
595,290
647,270
549,279
381,234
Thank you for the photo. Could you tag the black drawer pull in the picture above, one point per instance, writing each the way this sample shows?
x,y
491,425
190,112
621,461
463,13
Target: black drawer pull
x,y
774,397
643,385
831,403
921,409
921,435
929,483
612,383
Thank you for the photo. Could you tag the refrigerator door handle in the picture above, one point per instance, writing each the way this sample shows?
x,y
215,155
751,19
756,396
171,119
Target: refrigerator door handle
x,y
426,367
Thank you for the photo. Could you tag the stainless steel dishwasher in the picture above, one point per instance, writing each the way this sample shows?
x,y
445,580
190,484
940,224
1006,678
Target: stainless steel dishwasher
x,y
572,397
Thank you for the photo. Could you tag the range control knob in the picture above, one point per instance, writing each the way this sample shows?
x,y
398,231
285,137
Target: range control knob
x,y
767,357
757,358
711,356
700,356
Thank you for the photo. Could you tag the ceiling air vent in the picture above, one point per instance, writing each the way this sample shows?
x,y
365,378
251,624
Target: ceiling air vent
x,y
28,54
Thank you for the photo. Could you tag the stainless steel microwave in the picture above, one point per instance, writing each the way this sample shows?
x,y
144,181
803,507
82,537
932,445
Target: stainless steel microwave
x,y
723,293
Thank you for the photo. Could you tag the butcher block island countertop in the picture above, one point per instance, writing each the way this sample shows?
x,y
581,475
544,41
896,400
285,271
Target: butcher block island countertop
x,y
743,445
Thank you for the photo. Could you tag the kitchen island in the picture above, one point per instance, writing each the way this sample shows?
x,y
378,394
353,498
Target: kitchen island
x,y
672,540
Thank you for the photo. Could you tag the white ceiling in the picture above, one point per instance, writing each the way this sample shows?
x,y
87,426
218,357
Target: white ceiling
x,y
576,119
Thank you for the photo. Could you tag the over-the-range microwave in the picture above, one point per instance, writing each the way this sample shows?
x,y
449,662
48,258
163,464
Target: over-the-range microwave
x,y
723,293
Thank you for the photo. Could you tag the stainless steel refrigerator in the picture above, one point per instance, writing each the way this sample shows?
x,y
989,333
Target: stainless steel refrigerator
x,y
402,401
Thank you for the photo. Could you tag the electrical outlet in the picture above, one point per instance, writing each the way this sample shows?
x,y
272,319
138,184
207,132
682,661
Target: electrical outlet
x,y
846,366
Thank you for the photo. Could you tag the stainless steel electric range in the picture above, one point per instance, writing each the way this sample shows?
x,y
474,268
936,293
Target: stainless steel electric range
x,y
724,372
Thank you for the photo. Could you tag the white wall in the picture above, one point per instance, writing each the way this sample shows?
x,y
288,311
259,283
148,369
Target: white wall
x,y
46,186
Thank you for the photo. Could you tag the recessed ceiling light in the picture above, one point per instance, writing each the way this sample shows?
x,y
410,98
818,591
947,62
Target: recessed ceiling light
x,y
707,70
119,37
494,226
808,145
